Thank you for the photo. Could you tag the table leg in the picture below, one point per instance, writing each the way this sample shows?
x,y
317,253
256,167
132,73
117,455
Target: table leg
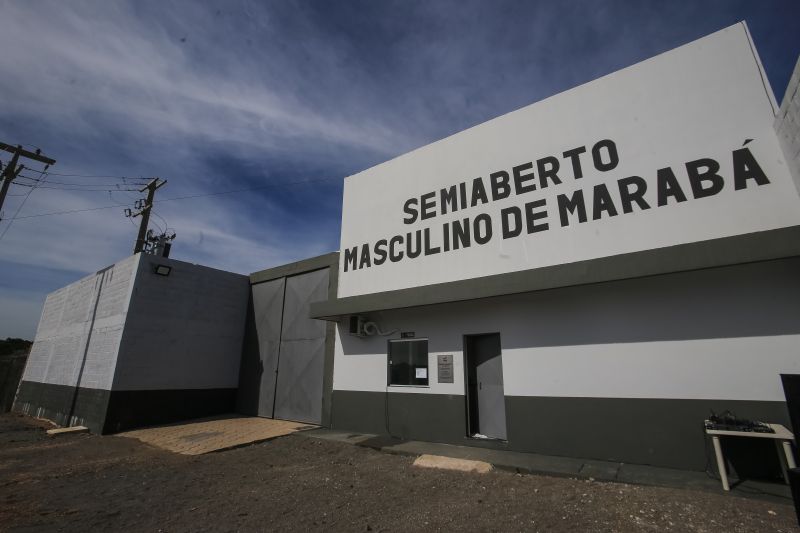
x,y
787,450
782,451
723,475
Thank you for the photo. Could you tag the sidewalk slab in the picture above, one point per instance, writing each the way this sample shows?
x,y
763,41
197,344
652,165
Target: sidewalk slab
x,y
450,463
550,465
196,437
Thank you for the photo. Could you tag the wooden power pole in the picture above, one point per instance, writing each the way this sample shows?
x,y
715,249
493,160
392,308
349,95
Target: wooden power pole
x,y
151,189
12,170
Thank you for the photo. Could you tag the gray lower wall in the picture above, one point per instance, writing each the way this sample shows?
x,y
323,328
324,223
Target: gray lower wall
x,y
56,402
658,432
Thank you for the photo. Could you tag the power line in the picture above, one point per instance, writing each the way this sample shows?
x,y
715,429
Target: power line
x,y
188,197
90,175
13,170
19,208
70,211
77,189
126,183
166,226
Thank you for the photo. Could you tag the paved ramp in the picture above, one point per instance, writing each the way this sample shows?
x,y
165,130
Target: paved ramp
x,y
196,437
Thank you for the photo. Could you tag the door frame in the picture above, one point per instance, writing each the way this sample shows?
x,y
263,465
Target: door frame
x,y
465,365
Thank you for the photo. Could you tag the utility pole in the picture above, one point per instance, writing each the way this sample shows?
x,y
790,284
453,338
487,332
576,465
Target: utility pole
x,y
12,170
151,189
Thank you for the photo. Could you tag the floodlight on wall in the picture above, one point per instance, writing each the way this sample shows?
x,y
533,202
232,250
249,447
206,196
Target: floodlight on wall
x,y
163,270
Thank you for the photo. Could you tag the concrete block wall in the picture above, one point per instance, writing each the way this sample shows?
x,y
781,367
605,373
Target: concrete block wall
x,y
76,347
185,330
126,347
181,348
787,125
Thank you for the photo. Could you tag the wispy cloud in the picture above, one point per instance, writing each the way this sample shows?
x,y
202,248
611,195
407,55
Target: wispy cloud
x,y
242,94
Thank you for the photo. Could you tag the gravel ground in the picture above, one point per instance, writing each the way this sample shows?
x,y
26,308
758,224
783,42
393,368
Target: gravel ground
x,y
86,482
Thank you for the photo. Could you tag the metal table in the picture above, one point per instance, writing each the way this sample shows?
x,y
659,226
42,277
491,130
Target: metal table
x,y
782,438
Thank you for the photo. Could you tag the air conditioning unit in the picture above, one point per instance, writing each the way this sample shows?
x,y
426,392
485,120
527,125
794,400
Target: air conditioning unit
x,y
357,326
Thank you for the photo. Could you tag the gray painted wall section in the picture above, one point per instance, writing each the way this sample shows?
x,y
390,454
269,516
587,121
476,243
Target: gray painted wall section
x,y
183,331
298,267
623,371
659,432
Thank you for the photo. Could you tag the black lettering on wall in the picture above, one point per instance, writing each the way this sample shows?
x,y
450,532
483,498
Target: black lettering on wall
x,y
428,205
410,209
575,156
745,167
430,250
668,186
511,221
411,252
350,258
709,176
478,193
484,234
602,203
519,179
365,262
394,254
461,234
629,196
548,168
611,153
446,237
567,206
448,198
380,252
531,216
500,187
462,193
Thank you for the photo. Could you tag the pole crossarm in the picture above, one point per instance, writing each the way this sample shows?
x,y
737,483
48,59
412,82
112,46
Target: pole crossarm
x,y
36,156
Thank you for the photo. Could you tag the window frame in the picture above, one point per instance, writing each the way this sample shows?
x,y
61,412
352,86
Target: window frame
x,y
389,366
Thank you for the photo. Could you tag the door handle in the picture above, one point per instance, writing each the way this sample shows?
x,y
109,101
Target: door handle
x,y
480,385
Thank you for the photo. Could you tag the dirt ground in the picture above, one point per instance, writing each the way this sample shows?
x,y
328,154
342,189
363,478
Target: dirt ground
x,y
85,482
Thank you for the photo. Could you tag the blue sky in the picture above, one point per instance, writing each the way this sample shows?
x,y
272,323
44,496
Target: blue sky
x,y
216,96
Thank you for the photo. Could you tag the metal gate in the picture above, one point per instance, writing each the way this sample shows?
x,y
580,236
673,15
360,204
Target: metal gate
x,y
291,346
298,394
267,311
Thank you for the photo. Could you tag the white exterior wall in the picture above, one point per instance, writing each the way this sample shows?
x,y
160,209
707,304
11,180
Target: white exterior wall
x,y
185,330
92,310
725,333
787,125
149,332
706,99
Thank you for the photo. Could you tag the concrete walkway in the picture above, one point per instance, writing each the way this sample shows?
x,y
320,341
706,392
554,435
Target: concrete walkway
x,y
204,435
563,466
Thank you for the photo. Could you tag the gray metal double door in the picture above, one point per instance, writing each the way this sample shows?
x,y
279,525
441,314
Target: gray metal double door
x,y
291,346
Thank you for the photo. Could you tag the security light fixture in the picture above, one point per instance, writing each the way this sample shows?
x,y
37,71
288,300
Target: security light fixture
x,y
163,270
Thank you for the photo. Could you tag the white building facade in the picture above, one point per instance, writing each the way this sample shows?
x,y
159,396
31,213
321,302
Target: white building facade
x,y
588,276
